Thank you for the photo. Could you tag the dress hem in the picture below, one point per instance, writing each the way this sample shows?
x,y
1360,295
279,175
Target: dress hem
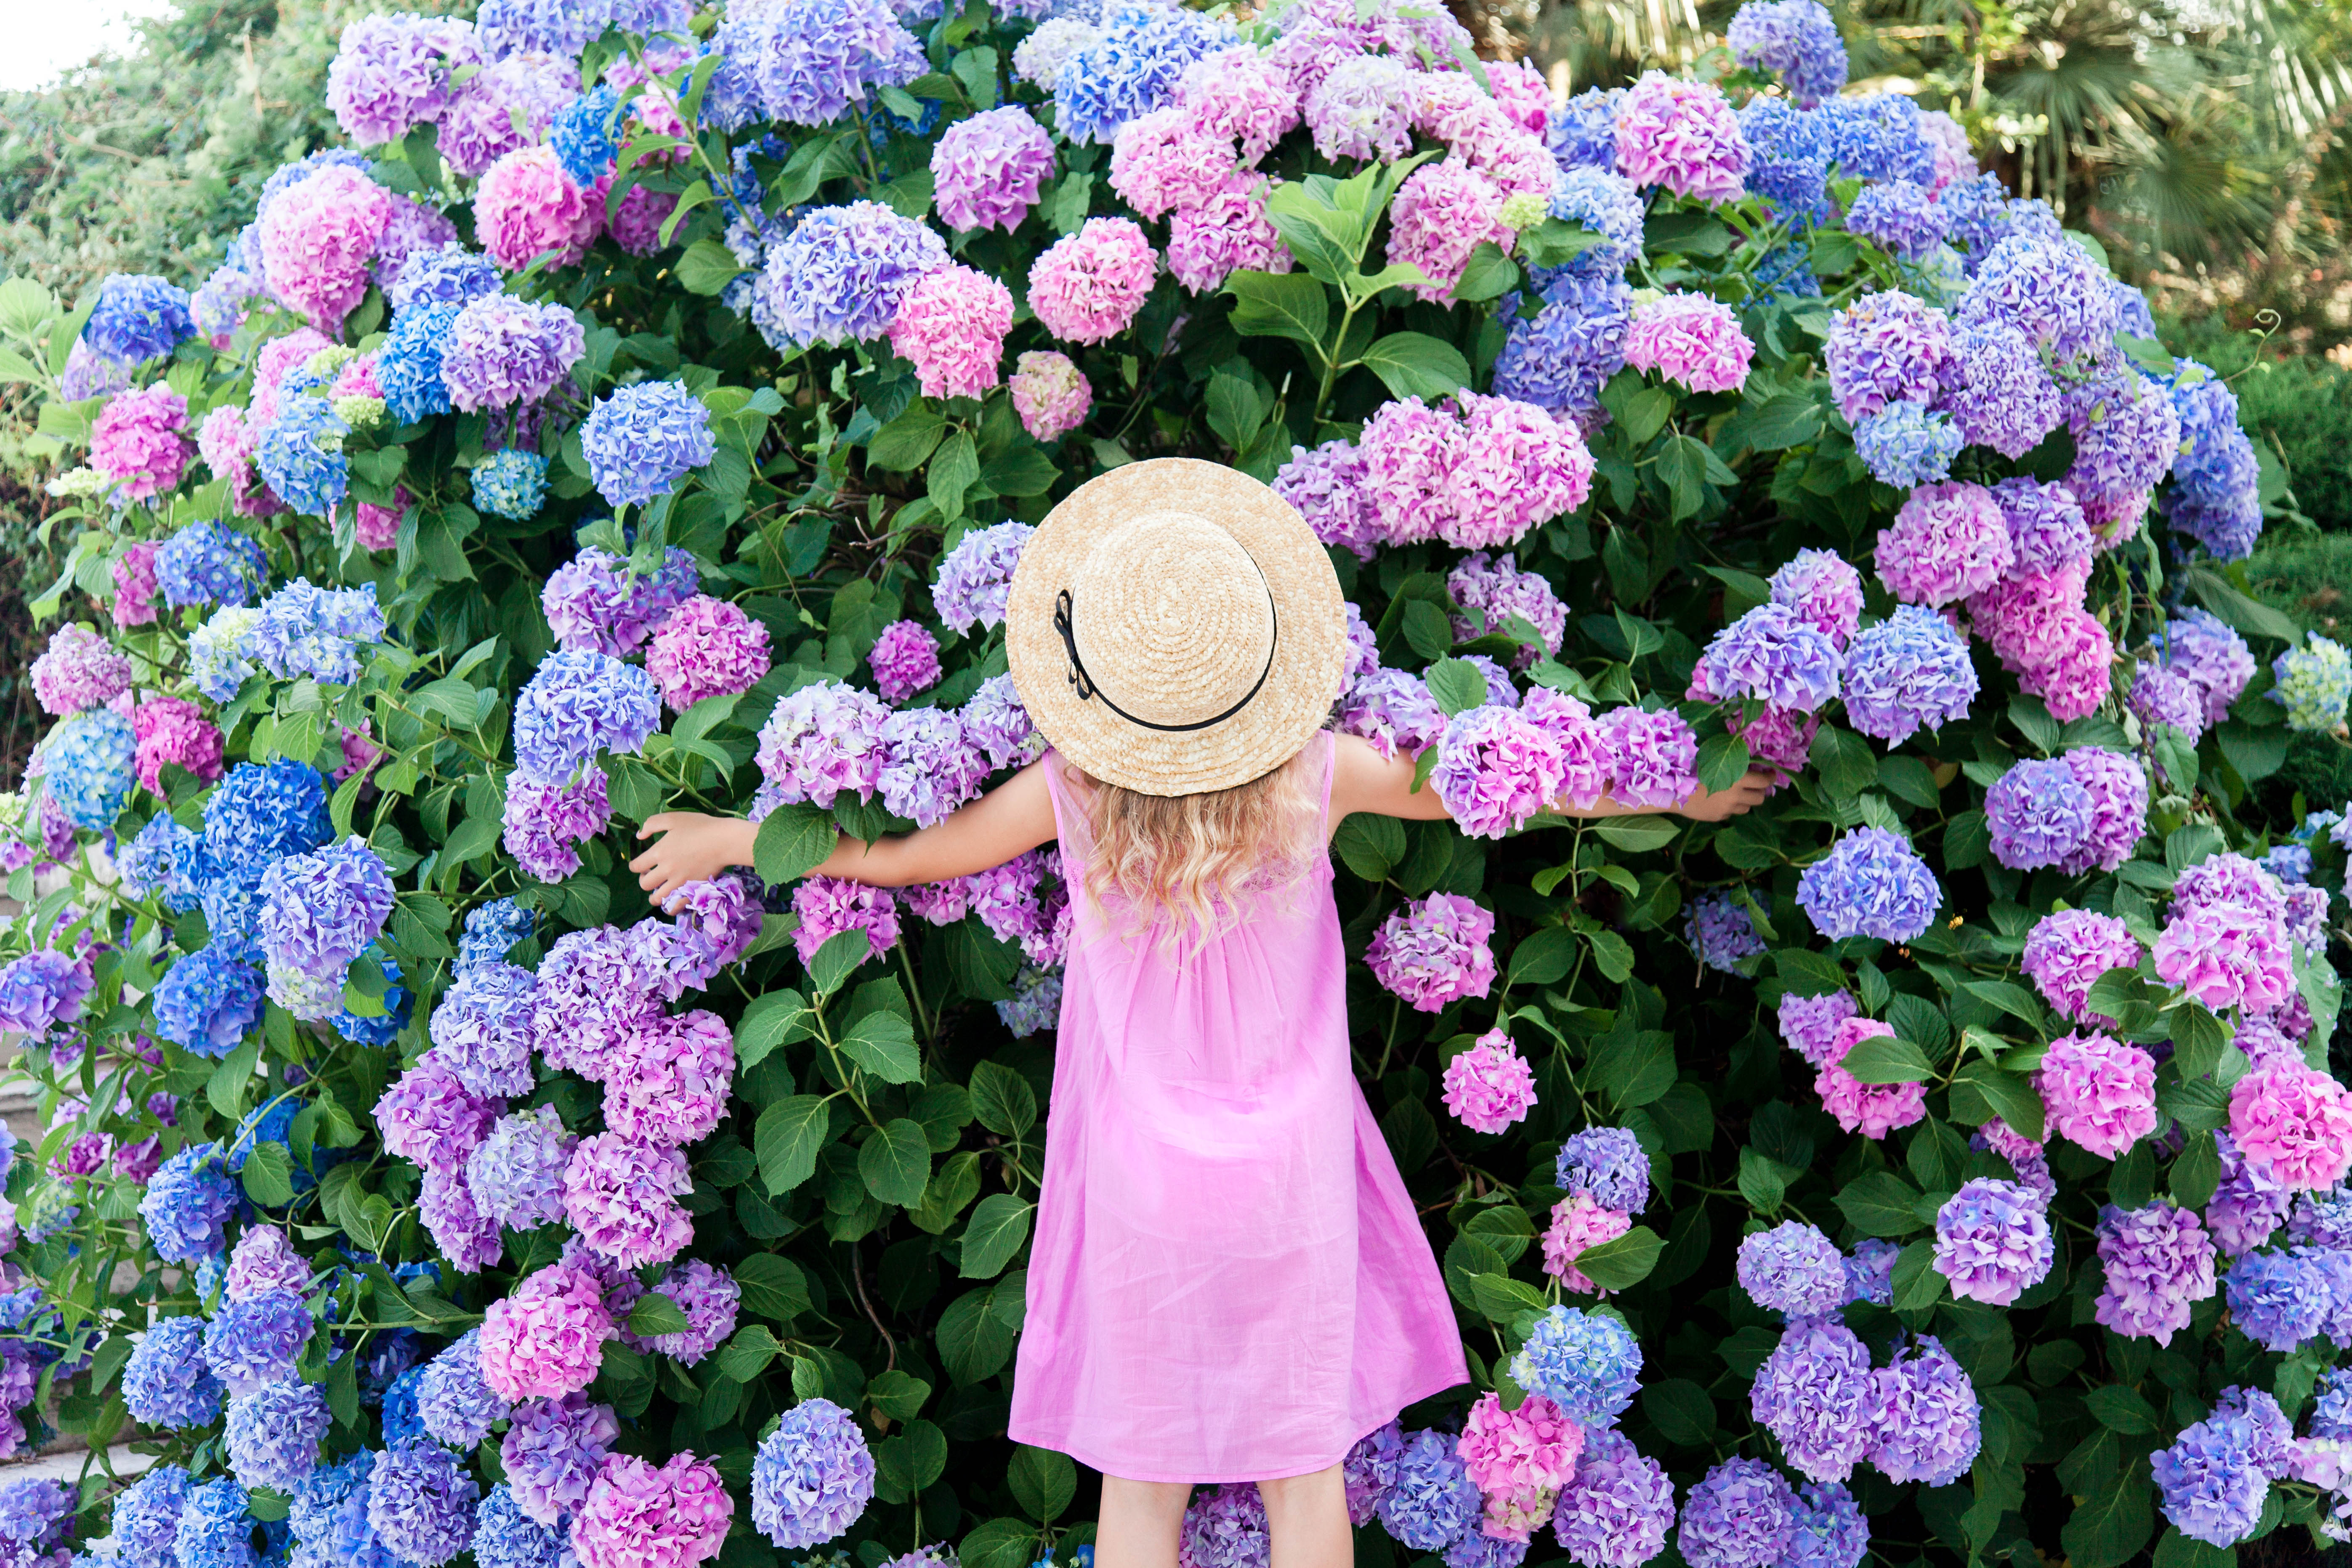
x,y
1124,1473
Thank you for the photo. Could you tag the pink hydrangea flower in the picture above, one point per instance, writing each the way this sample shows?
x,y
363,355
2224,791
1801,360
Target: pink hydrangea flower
x,y
1435,951
135,587
950,327
905,659
360,753
1534,1447
2293,1124
2101,1092
1652,758
1050,393
640,1517
1441,212
1088,287
2065,954
1228,232
669,1080
526,207
637,223
1521,93
1683,135
1873,1110
827,907
317,239
1948,542
79,669
136,441
621,1194
1167,161
1478,475
987,169
547,1337
377,527
1489,1086
1579,1221
1692,341
1242,95
173,730
2226,954
2080,674
707,647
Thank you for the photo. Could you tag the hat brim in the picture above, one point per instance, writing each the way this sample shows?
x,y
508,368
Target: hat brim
x,y
1310,640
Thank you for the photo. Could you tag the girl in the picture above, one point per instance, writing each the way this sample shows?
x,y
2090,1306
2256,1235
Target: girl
x,y
1228,1282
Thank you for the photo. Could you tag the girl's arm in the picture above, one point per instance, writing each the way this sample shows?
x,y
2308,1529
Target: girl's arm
x,y
1015,816
1363,780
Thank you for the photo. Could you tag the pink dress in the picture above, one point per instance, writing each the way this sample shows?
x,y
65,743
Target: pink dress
x,y
1229,1282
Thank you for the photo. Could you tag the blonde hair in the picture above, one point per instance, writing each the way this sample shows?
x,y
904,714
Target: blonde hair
x,y
1197,857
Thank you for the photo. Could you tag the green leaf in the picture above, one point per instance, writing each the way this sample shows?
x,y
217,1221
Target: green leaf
x,y
1722,761
1371,847
747,1355
788,1137
1414,364
707,268
2121,1409
904,443
655,1313
2111,1524
1042,1482
998,1227
895,1163
1636,833
1881,1203
837,959
1917,1286
268,1176
2196,1172
1457,685
1543,956
884,1044
1680,1411
954,470
1624,1263
1002,1101
1000,1543
2198,1037
772,1286
773,1019
1886,1058
2005,1094
2174,1550
226,1088
1489,275
1280,305
898,1394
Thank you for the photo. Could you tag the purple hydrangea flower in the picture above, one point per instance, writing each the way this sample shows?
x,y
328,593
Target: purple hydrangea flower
x,y
1909,671
1740,1516
1829,1530
1870,1271
2212,1489
186,1202
1433,1504
501,351
1925,1418
641,440
976,577
456,1406
1774,655
841,275
273,1433
1435,951
1797,39
1792,1268
1904,444
1615,1511
1992,1241
1811,1393
1719,931
577,704
515,1172
421,1502
812,1476
1871,884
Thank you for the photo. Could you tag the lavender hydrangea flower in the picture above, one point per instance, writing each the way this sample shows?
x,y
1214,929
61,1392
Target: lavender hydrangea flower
x,y
812,1476
1794,39
273,1433
2212,1489
1433,1504
841,274
1740,1516
976,577
166,1383
2278,1299
147,1517
505,1537
1872,883
421,1503
1992,1241
1811,1393
501,351
1925,1418
1829,1531
482,1028
641,440
577,704
254,1340
1792,1268
187,1202
1615,1511
515,1172
456,1406
1909,671
1606,1164
1904,444
1773,655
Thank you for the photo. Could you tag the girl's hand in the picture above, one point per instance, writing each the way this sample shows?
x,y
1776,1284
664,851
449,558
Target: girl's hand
x,y
1713,805
693,848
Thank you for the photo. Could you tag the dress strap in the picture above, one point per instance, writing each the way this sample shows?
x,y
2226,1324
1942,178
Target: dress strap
x,y
1329,742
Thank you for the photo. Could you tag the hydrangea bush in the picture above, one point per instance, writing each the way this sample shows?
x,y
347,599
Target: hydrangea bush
x,y
645,408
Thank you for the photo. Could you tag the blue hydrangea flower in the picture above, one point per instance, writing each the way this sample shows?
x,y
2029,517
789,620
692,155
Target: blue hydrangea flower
x,y
307,630
1719,932
166,1382
1610,205
1877,137
2039,813
445,273
154,863
209,563
186,1204
1559,361
208,1001
1903,445
1902,217
1582,133
263,811
585,134
579,703
511,483
540,26
1908,672
268,1124
1588,1364
491,929
456,1406
408,366
215,1529
642,439
404,1418
1795,38
809,60
147,1516
421,1501
382,1028
812,1476
2278,1299
1871,884
273,1433
841,273
138,317
87,763
1786,164
504,1537
254,1340
1433,1504
2212,1489
2331,1405
1773,653
301,455
220,654
1132,68
1788,269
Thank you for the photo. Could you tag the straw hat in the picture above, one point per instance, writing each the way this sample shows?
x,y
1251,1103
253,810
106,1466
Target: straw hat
x,y
1175,627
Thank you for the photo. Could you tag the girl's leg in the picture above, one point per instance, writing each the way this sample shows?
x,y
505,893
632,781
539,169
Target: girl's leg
x,y
1141,1521
1307,1517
